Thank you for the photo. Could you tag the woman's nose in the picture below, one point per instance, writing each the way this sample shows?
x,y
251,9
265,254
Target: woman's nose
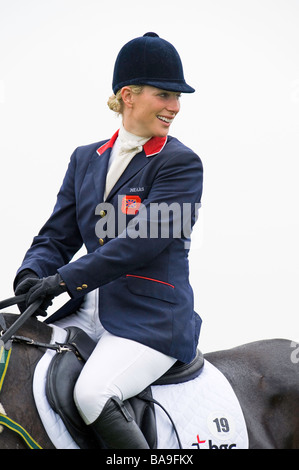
x,y
173,104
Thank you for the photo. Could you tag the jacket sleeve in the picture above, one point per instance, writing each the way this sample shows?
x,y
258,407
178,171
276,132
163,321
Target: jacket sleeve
x,y
178,184
59,239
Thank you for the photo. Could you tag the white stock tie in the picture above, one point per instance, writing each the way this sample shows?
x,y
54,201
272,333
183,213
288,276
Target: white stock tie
x,y
125,148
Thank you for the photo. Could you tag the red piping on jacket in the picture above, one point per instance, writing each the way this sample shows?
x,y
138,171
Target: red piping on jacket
x,y
150,279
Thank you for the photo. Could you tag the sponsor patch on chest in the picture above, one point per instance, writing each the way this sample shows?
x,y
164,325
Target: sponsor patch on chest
x,y
130,204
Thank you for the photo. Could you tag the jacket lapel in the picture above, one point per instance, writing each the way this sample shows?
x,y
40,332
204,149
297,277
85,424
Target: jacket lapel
x,y
99,166
136,164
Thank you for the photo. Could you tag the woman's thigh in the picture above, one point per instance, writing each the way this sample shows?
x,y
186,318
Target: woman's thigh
x,y
117,367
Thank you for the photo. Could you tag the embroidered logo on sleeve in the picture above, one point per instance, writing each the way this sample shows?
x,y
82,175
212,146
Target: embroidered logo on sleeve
x,y
130,204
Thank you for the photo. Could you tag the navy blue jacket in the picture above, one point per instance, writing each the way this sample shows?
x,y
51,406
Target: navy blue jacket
x,y
141,271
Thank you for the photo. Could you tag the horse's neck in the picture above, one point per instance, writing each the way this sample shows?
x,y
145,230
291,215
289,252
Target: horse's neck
x,y
17,395
32,328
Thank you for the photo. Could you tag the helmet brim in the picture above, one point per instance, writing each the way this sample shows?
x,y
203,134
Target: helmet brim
x,y
168,85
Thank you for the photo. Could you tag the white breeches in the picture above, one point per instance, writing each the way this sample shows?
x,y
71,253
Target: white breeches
x,y
117,367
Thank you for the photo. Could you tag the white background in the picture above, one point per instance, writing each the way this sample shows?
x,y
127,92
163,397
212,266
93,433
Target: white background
x,y
56,63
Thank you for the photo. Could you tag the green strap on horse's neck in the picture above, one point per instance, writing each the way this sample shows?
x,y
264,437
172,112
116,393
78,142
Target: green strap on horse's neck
x,y
9,423
4,360
5,420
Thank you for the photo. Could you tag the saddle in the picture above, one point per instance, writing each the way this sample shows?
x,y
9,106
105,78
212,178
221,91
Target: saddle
x,y
64,371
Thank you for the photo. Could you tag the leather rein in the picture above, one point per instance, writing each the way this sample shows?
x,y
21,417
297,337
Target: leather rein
x,y
7,336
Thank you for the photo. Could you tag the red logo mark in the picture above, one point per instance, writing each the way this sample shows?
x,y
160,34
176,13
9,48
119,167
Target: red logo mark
x,y
198,442
130,204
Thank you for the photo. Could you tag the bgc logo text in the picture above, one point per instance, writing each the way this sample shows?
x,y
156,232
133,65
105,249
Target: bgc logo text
x,y
213,446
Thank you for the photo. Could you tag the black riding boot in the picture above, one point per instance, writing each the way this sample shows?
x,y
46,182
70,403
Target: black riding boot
x,y
116,427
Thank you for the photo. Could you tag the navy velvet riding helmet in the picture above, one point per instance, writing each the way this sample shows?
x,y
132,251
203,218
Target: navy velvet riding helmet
x,y
150,60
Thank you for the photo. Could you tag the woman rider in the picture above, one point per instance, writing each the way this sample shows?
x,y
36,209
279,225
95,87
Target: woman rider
x,y
131,290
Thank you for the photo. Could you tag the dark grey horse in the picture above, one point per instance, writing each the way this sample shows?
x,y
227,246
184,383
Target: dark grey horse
x,y
263,374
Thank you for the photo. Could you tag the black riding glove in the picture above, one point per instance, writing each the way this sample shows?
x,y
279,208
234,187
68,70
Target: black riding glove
x,y
22,276
46,289
25,274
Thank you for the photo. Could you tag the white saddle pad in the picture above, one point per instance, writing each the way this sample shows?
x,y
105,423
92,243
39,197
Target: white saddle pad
x,y
205,410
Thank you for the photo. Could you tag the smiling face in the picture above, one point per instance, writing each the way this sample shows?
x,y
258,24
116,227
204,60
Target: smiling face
x,y
151,112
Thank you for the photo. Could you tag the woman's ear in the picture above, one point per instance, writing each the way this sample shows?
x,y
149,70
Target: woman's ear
x,y
127,96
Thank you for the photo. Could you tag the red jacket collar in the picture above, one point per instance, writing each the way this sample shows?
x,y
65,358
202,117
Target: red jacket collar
x,y
152,146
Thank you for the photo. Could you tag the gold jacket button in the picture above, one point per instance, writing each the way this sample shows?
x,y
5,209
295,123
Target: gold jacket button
x,y
79,288
102,213
84,286
101,241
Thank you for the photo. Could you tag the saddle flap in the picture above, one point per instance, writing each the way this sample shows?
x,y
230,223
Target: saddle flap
x,y
62,375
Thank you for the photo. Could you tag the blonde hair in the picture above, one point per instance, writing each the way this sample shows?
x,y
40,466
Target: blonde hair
x,y
115,102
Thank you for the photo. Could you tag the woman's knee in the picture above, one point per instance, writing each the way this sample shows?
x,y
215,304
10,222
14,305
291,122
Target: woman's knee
x,y
91,400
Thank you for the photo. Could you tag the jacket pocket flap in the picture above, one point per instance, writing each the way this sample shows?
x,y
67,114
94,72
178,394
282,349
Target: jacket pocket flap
x,y
151,288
